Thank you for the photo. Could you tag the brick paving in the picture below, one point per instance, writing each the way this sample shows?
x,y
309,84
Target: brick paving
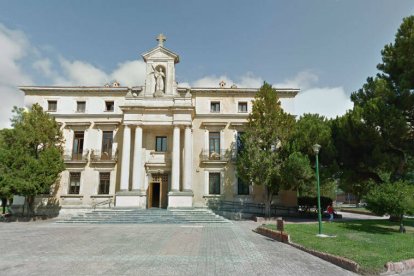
x,y
46,248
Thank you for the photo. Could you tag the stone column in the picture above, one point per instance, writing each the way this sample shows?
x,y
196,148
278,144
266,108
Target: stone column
x,y
126,147
137,183
175,181
187,174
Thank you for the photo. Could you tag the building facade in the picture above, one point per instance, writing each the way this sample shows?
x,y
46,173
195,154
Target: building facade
x,y
157,145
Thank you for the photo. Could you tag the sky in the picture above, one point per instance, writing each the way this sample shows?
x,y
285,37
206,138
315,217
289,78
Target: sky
x,y
327,48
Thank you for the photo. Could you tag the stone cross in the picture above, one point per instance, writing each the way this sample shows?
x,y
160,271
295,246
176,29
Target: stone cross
x,y
161,38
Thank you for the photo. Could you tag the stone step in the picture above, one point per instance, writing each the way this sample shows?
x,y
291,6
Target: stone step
x,y
146,216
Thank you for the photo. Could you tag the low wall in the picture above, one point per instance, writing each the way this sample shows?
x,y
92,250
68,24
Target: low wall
x,y
284,237
43,205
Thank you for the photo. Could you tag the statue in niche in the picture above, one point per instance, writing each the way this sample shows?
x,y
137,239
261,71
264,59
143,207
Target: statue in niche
x,y
159,81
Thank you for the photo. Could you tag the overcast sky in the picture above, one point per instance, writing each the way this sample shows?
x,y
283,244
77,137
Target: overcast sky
x,y
326,48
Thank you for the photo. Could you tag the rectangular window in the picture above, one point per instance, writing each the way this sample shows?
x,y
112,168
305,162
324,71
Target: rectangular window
x,y
51,105
104,178
80,107
107,141
74,183
77,145
109,106
242,188
161,143
214,184
242,107
239,141
214,144
215,107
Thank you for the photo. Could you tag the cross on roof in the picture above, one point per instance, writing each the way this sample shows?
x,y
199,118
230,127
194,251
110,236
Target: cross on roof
x,y
161,38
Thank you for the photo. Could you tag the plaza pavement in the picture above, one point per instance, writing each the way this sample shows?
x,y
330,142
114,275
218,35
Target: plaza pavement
x,y
47,248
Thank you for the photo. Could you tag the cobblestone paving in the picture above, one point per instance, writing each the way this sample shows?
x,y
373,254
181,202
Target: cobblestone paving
x,y
46,248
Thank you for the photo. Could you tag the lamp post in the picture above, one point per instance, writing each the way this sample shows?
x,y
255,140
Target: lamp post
x,y
316,149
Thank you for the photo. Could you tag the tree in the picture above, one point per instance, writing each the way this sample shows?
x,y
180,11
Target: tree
x,y
359,153
31,154
395,199
265,139
375,141
313,129
296,173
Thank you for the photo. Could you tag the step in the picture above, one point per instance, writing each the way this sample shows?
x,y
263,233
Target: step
x,y
147,216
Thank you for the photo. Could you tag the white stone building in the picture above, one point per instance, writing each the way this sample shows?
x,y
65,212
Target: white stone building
x,y
159,145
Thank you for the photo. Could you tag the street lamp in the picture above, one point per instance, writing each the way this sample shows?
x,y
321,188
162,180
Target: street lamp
x,y
316,149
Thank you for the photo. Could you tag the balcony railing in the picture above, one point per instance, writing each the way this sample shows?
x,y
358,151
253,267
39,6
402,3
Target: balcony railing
x,y
70,156
155,157
215,156
104,156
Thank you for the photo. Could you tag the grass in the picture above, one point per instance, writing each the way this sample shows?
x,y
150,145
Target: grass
x,y
370,243
361,210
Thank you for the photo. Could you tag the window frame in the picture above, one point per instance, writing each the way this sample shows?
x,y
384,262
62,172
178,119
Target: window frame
x,y
239,110
106,106
107,144
74,189
216,188
79,142
49,105
214,142
214,105
242,188
163,143
104,187
79,104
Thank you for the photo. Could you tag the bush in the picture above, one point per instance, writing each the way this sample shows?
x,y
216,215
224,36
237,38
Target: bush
x,y
395,199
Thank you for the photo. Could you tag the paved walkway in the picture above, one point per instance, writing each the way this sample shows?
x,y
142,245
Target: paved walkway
x,y
45,248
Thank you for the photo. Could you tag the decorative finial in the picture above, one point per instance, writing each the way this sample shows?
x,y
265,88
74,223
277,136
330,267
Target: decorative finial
x,y
161,38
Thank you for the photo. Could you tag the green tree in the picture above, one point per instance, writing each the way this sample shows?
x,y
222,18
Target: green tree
x,y
31,154
266,137
395,199
359,153
374,141
313,129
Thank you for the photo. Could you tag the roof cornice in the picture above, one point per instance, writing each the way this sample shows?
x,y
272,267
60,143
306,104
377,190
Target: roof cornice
x,y
84,89
281,91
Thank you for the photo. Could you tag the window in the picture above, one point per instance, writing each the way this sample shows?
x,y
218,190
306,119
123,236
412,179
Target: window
x,y
214,184
109,106
242,107
214,144
78,145
74,182
51,105
215,107
161,143
107,140
239,141
242,188
80,107
104,178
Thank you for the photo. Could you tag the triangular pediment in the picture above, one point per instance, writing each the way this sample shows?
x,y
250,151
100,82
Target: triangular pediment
x,y
161,53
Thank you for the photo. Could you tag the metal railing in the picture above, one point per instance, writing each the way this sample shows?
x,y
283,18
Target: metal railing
x,y
218,155
249,207
108,201
72,156
98,156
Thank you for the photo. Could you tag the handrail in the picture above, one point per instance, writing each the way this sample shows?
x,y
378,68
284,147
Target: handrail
x,y
108,201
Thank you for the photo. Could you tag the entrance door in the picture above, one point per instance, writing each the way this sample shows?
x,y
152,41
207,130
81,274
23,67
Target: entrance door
x,y
157,191
154,195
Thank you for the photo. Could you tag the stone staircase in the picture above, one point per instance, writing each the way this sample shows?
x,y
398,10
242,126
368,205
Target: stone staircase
x,y
146,216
